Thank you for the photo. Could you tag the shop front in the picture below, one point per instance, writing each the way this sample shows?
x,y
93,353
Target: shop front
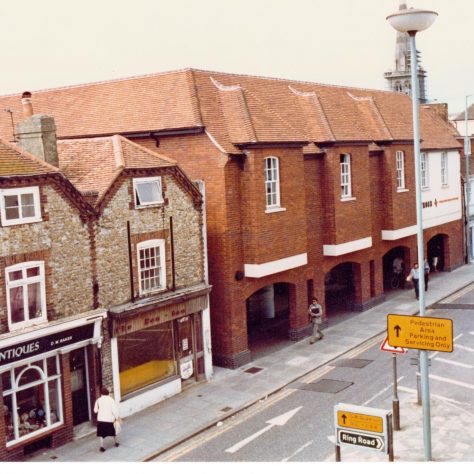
x,y
44,388
159,348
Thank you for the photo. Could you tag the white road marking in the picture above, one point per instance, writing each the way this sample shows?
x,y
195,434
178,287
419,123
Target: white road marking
x,y
309,443
452,381
280,420
471,333
464,348
453,362
381,391
439,397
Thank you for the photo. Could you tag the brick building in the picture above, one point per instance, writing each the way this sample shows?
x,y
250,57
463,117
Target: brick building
x,y
103,282
309,187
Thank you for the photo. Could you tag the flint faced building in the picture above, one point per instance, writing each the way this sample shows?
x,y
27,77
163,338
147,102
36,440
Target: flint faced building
x,y
50,332
309,188
103,282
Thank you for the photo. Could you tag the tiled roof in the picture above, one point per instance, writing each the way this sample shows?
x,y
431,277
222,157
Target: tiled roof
x,y
461,115
93,164
16,162
234,109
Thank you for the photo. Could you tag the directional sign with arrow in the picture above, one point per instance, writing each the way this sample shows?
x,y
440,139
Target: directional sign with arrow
x,y
420,332
363,440
277,421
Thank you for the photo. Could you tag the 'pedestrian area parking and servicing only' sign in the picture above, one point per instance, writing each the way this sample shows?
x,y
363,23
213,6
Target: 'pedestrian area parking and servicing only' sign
x,y
420,332
363,427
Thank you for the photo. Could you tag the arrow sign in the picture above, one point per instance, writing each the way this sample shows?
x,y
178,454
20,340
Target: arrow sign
x,y
280,420
397,330
386,347
364,440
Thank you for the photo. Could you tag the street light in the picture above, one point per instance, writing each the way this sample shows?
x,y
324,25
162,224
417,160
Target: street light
x,y
467,152
412,21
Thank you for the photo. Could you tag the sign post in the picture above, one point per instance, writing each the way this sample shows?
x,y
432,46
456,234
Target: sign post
x,y
395,403
363,427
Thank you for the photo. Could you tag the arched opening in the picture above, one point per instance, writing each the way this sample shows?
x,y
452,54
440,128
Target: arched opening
x,y
394,260
339,289
437,252
268,312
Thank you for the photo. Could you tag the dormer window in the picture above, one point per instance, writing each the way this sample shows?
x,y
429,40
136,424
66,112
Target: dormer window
x,y
20,206
148,191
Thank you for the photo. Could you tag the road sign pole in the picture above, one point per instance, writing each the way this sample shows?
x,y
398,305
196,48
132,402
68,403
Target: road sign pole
x,y
395,403
338,453
390,439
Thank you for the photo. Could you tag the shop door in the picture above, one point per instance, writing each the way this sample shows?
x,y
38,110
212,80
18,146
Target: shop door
x,y
184,342
79,386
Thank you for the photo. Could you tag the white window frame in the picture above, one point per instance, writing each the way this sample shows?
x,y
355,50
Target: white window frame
x,y
24,282
345,169
18,192
136,191
160,245
424,171
400,165
444,169
45,379
272,180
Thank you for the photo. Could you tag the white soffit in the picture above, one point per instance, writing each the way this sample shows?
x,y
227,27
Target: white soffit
x,y
269,268
427,224
347,247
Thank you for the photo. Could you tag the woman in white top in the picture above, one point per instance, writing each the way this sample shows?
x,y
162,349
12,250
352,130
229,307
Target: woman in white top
x,y
107,413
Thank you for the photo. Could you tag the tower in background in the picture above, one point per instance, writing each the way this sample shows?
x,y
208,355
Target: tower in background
x,y
399,79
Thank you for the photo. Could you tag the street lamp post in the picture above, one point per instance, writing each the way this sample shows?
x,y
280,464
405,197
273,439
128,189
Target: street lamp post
x,y
412,21
467,152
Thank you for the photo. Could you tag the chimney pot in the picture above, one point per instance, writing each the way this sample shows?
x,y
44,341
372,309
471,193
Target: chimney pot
x,y
27,105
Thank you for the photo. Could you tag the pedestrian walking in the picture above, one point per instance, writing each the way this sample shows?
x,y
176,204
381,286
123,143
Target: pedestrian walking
x,y
414,277
315,315
107,415
427,272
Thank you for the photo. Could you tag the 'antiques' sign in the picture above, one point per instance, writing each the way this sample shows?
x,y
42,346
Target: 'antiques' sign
x,y
44,344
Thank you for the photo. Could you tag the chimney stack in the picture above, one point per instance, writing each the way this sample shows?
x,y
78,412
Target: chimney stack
x,y
37,133
26,105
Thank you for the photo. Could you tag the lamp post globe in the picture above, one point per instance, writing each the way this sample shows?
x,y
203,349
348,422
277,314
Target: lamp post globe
x,y
412,21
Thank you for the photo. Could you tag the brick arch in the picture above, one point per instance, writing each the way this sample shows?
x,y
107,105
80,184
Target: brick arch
x,y
438,246
401,251
343,287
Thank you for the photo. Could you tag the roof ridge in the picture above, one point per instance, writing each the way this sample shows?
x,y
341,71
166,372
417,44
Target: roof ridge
x,y
317,102
170,161
191,69
375,107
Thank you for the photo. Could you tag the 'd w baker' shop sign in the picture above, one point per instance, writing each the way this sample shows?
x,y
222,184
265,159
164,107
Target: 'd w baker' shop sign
x,y
45,344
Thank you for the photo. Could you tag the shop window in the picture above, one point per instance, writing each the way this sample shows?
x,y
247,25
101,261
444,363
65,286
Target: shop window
x,y
146,357
148,191
33,393
26,296
151,266
20,206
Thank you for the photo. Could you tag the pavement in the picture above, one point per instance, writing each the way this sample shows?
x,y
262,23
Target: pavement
x,y
201,406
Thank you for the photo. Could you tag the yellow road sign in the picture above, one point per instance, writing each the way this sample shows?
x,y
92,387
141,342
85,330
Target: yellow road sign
x,y
420,332
359,421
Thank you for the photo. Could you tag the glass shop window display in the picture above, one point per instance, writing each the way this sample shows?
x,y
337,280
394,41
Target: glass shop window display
x,y
31,399
146,357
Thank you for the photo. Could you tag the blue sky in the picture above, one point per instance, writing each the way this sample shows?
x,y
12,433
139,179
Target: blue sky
x,y
51,43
